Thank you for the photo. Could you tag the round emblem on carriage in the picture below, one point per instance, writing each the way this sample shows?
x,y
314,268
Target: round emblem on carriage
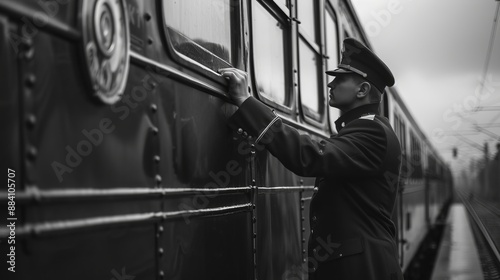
x,y
106,44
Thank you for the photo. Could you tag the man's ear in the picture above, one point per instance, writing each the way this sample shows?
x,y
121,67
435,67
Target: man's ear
x,y
364,89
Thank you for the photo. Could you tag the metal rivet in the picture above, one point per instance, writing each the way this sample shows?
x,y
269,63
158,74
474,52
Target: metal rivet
x,y
340,255
154,108
161,273
254,220
160,251
154,130
30,80
29,53
31,120
156,159
239,131
32,153
160,228
158,178
147,16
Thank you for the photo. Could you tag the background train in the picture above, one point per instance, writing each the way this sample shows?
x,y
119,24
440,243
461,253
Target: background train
x,y
115,136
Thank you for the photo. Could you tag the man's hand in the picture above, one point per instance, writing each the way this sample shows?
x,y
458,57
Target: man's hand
x,y
238,84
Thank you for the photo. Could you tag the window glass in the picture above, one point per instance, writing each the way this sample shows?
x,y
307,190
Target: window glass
x,y
309,85
332,52
202,30
269,52
307,16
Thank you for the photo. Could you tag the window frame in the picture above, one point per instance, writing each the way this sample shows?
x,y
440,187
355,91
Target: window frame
x,y
329,11
279,13
316,42
192,64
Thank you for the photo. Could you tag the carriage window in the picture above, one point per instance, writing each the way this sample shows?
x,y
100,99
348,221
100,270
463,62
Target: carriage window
x,y
204,31
310,61
332,52
415,157
307,15
309,85
269,35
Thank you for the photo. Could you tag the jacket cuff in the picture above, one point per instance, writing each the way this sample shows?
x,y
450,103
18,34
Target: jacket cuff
x,y
253,117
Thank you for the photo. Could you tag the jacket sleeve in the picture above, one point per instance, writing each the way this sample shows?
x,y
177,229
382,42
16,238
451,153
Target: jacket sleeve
x,y
359,149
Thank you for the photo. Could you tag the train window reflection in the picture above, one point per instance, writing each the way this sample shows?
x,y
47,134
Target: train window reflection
x,y
269,55
309,85
203,31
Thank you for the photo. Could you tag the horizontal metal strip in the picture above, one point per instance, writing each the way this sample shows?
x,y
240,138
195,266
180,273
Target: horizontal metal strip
x,y
59,227
50,23
35,194
168,71
295,124
281,189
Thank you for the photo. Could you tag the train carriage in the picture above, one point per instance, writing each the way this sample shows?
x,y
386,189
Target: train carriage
x,y
114,119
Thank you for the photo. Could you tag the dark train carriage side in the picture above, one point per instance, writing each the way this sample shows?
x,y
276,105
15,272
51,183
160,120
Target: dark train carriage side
x,y
148,184
114,121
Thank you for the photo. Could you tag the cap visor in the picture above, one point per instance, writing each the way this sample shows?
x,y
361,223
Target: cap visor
x,y
338,71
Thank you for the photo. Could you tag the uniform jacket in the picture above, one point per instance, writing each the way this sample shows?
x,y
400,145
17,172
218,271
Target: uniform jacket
x,y
352,235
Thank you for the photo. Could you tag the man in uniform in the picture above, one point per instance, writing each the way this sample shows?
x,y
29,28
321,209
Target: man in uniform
x,y
352,235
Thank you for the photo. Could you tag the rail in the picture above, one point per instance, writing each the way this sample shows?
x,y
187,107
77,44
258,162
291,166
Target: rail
x,y
487,222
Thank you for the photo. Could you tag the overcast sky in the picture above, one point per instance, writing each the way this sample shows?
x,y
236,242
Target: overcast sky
x,y
437,52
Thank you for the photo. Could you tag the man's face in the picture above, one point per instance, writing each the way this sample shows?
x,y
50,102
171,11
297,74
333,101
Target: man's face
x,y
343,90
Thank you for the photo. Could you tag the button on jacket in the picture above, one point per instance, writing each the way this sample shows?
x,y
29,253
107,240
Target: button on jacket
x,y
352,235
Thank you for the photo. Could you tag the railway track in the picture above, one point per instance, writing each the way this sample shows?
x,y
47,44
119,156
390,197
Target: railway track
x,y
486,228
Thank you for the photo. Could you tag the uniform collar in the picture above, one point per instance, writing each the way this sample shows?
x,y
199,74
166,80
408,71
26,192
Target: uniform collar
x,y
356,113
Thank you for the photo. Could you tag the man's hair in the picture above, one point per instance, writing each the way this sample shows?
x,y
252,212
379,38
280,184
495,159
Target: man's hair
x,y
375,95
